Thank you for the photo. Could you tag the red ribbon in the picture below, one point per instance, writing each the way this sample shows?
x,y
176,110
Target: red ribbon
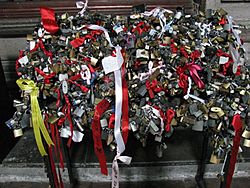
x,y
169,116
140,28
111,121
173,47
76,77
236,122
50,151
79,41
152,87
53,167
226,66
68,116
42,47
82,87
96,131
125,106
17,62
59,148
193,68
184,52
195,55
183,81
222,21
49,20
45,76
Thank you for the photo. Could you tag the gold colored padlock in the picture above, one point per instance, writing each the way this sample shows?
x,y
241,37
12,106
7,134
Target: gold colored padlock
x,y
214,159
246,134
246,143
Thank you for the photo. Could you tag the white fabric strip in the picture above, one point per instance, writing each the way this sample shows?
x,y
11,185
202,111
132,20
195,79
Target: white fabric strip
x,y
82,5
97,27
190,95
159,13
108,67
118,112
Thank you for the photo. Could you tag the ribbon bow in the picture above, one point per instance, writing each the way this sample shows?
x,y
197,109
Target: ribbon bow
x,y
37,120
192,67
152,87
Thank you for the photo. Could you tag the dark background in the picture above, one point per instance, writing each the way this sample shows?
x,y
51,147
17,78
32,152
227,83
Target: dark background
x,y
7,140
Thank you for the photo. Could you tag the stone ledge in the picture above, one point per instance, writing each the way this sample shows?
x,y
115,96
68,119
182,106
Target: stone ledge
x,y
127,174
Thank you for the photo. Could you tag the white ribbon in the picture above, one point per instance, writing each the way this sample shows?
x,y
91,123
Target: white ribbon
x,y
82,5
230,22
159,13
85,74
97,27
113,64
234,51
145,75
115,169
190,95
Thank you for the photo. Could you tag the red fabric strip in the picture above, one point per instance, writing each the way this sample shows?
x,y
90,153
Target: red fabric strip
x,y
49,20
53,168
52,163
77,42
169,116
111,124
59,149
68,115
236,144
125,106
82,87
45,76
17,62
96,131
42,47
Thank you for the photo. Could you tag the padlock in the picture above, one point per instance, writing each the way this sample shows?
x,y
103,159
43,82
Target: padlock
x,y
18,132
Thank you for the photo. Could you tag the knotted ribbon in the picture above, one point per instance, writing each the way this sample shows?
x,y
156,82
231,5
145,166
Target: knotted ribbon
x,y
37,120
193,68
153,87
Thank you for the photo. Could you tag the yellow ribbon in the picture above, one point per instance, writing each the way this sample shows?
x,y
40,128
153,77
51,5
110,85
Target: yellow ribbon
x,y
37,120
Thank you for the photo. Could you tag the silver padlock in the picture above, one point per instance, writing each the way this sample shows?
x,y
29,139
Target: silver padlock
x,y
78,112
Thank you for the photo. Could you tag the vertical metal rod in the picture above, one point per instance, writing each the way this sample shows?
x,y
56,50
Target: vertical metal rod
x,y
202,162
225,170
72,179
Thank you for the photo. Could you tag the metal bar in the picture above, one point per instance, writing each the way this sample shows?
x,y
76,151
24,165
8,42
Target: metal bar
x,y
226,167
202,162
72,179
